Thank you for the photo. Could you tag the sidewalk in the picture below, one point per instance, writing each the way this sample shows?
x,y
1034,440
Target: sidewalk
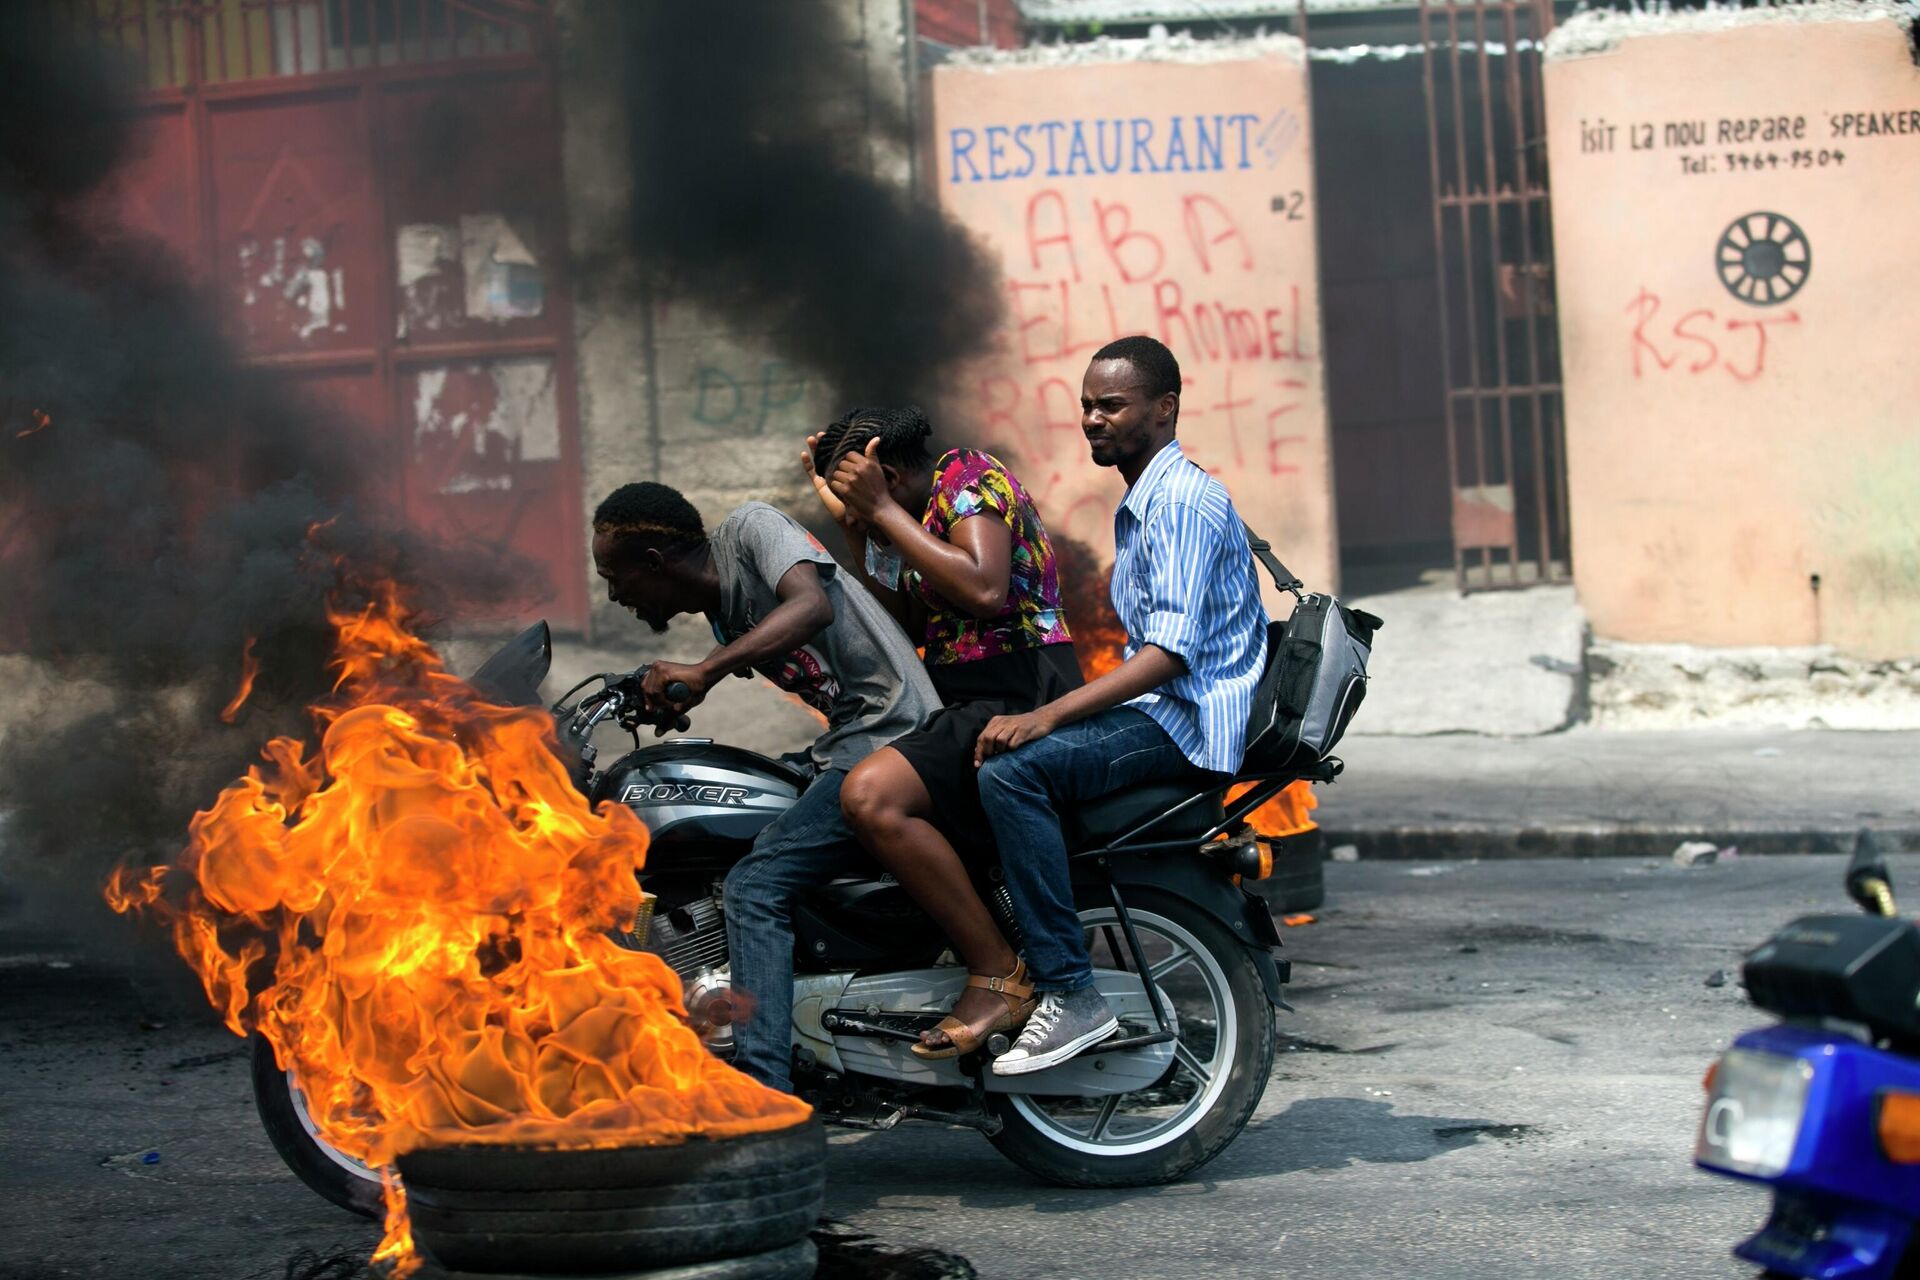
x,y
1593,793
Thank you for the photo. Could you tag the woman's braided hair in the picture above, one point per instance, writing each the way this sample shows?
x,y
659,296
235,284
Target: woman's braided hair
x,y
902,432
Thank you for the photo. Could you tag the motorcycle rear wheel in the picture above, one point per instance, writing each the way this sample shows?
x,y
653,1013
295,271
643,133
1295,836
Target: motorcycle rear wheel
x,y
283,1112
1223,1058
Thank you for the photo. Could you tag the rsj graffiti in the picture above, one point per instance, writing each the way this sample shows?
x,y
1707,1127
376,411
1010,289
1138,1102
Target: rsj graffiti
x,y
1699,341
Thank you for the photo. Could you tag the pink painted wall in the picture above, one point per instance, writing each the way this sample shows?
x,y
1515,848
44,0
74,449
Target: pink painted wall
x,y
1742,417
1172,199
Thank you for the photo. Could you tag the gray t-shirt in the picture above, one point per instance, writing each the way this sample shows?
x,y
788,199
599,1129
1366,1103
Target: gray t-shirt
x,y
860,672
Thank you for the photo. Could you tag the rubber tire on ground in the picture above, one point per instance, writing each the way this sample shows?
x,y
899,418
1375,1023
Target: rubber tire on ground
x,y
499,1208
273,1098
1029,1146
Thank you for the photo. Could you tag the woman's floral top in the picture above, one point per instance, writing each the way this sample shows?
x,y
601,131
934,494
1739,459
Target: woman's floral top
x,y
968,483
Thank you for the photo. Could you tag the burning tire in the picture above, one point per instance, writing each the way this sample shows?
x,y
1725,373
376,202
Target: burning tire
x,y
283,1112
542,1211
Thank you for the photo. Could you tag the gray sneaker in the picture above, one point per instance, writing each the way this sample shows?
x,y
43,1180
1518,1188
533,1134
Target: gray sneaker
x,y
1065,1023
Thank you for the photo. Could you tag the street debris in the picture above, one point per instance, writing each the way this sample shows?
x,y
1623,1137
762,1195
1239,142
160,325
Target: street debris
x,y
1297,919
1504,1132
846,1254
1441,870
1345,853
1695,853
1718,978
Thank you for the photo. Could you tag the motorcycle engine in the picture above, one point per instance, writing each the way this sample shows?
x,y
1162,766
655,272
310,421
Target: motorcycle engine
x,y
692,939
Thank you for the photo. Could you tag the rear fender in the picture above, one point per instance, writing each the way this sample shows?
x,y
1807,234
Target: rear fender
x,y
1202,885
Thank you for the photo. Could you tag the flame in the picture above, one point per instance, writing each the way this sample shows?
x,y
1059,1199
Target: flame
x,y
1285,814
249,671
41,421
414,917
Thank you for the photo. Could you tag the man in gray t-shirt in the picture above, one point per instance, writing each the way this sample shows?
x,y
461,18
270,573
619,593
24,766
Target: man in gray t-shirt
x,y
780,606
859,672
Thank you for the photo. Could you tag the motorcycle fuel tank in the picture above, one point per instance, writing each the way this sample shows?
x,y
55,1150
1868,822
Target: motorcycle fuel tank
x,y
694,790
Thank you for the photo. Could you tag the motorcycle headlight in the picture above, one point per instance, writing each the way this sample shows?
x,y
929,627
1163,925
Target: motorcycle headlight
x,y
1754,1106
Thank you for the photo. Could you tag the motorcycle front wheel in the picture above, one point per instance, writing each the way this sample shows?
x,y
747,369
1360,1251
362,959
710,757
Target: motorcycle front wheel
x,y
1222,1058
283,1111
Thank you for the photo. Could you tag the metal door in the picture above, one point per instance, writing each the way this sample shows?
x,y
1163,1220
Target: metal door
x,y
1486,135
373,186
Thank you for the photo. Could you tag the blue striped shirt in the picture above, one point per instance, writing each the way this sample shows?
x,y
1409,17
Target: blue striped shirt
x,y
1183,580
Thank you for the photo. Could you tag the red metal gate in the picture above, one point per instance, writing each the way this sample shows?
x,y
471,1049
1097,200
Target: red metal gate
x,y
374,188
1486,136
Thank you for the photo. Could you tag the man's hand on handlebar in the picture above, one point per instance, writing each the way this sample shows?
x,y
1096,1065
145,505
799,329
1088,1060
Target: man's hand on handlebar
x,y
660,698
1004,733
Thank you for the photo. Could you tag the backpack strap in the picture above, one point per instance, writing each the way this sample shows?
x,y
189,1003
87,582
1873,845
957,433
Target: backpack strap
x,y
1282,576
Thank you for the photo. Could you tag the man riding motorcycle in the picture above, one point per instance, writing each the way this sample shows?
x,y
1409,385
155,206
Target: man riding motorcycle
x,y
1175,709
778,605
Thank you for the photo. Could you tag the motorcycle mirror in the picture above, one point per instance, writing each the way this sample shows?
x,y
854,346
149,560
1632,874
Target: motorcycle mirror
x,y
513,674
1868,882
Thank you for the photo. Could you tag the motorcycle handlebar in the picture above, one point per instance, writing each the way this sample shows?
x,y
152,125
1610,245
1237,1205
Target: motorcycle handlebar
x,y
621,695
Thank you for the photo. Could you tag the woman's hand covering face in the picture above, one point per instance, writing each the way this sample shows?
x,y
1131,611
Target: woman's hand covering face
x,y
835,508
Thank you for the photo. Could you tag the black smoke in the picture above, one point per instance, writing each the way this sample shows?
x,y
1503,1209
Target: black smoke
x,y
753,128
162,504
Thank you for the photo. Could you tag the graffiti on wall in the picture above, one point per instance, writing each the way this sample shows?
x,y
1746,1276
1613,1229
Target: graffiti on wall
x,y
1699,340
750,401
1091,270
1205,242
1177,142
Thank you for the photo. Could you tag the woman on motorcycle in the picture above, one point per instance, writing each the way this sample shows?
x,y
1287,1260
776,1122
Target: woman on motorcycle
x,y
956,551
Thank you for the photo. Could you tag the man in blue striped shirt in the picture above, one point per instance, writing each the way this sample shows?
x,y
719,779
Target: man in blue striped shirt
x,y
1175,710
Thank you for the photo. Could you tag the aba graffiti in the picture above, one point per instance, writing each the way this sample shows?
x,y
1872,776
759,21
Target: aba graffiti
x,y
1136,144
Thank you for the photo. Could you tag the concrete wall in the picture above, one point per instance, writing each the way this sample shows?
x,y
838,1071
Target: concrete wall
x,y
667,391
1128,188
1728,439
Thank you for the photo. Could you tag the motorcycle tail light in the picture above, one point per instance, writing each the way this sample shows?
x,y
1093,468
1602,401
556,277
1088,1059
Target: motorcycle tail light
x,y
1899,1126
1264,865
1248,857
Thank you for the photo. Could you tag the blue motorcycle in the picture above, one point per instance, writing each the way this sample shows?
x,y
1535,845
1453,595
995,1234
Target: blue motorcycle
x,y
1825,1107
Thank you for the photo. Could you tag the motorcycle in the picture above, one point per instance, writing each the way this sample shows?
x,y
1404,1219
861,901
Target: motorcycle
x,y
1182,952
1824,1108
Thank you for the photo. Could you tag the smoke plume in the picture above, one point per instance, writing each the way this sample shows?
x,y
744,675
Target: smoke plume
x,y
752,129
164,508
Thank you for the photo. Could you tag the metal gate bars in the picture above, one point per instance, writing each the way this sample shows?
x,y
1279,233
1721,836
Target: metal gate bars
x,y
1486,135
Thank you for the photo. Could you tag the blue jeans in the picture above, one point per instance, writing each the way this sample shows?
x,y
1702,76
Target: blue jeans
x,y
804,847
1023,791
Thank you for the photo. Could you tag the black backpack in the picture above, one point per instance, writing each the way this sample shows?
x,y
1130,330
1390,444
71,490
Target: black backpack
x,y
1315,678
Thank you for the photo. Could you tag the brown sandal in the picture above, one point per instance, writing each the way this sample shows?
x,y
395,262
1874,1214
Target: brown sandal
x,y
1014,989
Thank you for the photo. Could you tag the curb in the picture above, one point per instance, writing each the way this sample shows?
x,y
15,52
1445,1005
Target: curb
x,y
1432,842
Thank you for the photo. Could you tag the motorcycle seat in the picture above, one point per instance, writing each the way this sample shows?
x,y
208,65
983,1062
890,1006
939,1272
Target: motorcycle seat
x,y
1099,820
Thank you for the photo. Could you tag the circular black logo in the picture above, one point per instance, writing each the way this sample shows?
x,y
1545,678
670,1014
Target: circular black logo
x,y
1763,258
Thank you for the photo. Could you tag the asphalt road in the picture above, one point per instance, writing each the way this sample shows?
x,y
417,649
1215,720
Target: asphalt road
x,y
1494,1071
